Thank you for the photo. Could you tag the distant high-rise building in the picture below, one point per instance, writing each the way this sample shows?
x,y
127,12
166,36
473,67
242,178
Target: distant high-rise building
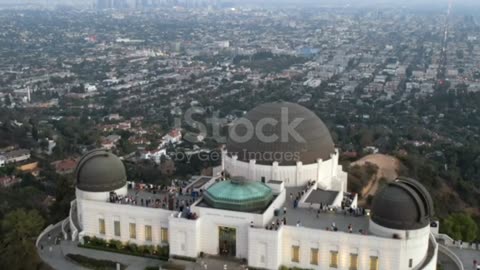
x,y
120,4
104,4
143,4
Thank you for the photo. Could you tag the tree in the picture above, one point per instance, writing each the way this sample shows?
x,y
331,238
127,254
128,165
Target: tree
x,y
17,250
34,133
8,101
64,194
460,226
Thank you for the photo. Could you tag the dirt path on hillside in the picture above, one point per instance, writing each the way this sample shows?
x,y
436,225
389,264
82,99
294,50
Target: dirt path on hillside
x,y
388,167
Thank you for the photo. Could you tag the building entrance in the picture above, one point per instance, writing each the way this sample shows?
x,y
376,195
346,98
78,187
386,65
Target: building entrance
x,y
227,238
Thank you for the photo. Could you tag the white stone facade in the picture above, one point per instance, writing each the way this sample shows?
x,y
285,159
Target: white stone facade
x,y
271,249
268,249
327,173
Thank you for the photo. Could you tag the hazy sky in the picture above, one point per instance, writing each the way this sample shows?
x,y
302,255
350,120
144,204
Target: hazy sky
x,y
434,3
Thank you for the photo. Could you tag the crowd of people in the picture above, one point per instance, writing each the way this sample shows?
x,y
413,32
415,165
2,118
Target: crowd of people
x,y
134,200
348,199
295,198
345,208
157,196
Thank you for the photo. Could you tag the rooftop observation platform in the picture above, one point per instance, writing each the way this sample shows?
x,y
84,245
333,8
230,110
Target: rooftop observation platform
x,y
310,217
324,219
152,196
322,196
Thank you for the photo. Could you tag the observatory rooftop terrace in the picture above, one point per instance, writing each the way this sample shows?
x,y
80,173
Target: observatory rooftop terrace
x,y
306,217
156,197
311,218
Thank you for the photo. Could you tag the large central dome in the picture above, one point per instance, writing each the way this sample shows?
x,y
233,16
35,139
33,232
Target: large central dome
x,y
315,143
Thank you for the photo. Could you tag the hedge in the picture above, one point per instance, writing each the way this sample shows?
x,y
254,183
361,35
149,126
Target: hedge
x,y
154,252
94,263
167,266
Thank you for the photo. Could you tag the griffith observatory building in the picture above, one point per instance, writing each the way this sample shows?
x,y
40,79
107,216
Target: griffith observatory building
x,y
273,203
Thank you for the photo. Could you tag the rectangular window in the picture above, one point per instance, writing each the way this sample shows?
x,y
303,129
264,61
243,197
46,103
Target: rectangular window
x,y
353,261
314,256
295,254
101,226
373,263
148,233
116,227
133,231
333,259
164,235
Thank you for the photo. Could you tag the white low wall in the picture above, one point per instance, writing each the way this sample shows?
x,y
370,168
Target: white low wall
x,y
355,202
432,263
183,236
265,248
444,250
302,203
276,187
276,204
210,183
449,242
42,234
47,230
327,173
73,229
64,223
205,186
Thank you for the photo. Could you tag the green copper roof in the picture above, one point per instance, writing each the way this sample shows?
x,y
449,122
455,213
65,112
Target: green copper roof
x,y
239,195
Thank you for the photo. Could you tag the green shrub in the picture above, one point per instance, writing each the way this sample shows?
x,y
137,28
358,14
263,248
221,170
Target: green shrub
x,y
115,244
163,251
132,247
98,242
173,266
86,239
184,258
150,250
156,252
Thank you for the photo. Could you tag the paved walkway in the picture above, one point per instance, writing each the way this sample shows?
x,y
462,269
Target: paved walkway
x,y
466,256
214,263
52,250
132,262
446,262
52,254
308,217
